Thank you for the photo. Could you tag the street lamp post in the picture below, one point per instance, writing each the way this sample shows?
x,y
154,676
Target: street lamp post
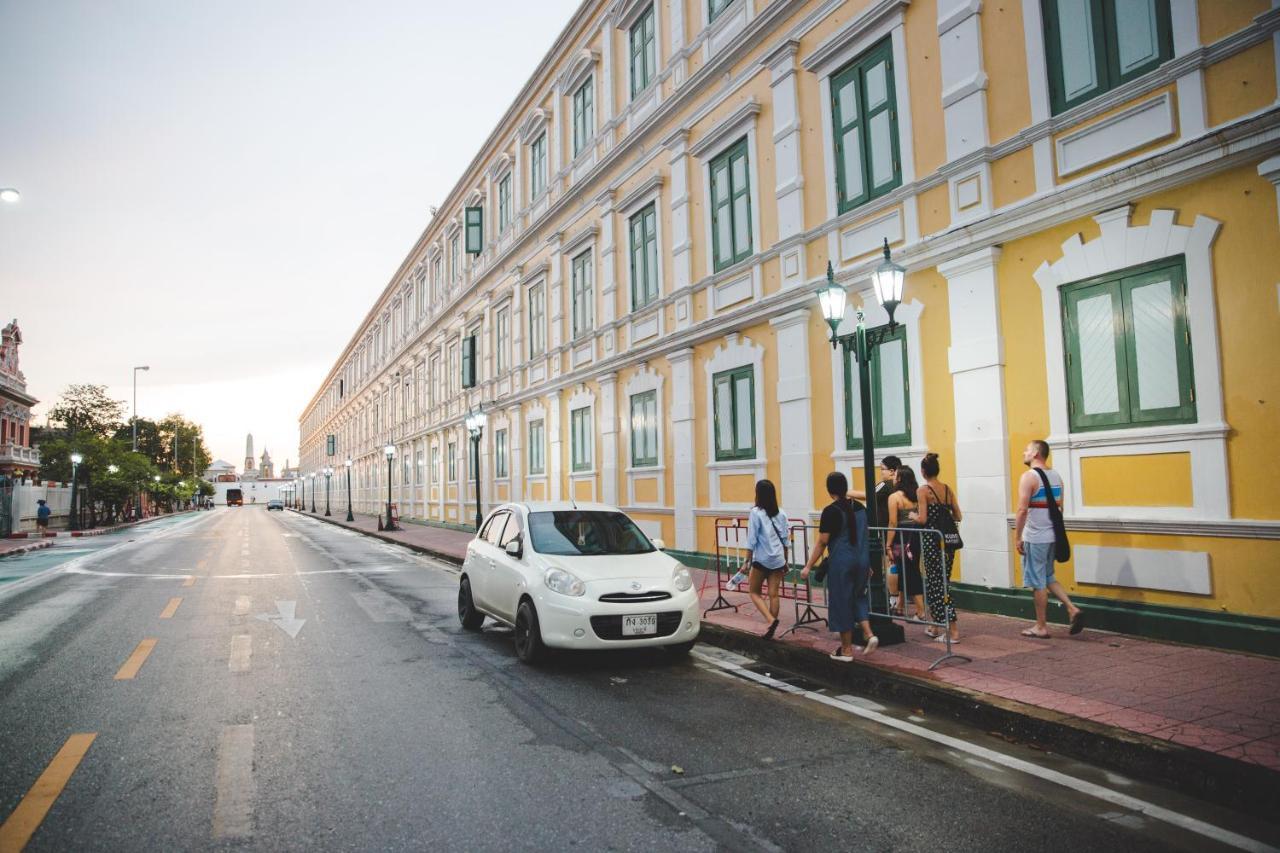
x,y
390,452
328,472
76,459
313,490
138,514
475,428
887,279
350,515
156,480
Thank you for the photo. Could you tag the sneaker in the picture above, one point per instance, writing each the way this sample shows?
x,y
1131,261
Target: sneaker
x,y
839,655
871,645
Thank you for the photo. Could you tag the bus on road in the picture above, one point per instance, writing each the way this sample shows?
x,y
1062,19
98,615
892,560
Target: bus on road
x,y
235,497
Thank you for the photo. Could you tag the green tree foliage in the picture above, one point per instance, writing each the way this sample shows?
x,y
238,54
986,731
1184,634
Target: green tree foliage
x,y
88,409
158,441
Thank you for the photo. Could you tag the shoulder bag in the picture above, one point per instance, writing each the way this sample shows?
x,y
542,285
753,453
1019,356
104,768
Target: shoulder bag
x,y
945,522
1061,546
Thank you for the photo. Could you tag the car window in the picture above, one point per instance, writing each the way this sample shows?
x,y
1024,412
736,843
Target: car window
x,y
586,533
493,533
512,531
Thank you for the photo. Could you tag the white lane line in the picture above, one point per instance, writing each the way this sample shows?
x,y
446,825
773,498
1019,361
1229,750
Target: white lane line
x,y
240,575
243,605
1190,824
233,808
241,651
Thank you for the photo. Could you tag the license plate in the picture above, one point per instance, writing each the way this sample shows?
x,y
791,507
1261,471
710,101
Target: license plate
x,y
640,625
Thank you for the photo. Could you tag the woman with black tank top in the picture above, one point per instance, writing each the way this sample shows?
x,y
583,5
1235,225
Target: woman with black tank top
x,y
842,533
934,498
904,548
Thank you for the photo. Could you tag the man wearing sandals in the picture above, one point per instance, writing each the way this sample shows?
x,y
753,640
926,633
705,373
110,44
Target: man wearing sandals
x,y
1033,537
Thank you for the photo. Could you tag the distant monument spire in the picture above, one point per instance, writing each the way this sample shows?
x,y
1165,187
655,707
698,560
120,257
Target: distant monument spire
x,y
248,453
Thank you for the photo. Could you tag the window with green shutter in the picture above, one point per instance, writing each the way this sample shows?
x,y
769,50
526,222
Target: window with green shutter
x,y
455,259
453,462
644,58
1093,46
644,257
644,429
469,361
538,166
500,454
730,206
537,447
581,438
864,117
537,320
473,219
1128,349
715,7
584,123
502,335
734,413
583,296
890,394
504,202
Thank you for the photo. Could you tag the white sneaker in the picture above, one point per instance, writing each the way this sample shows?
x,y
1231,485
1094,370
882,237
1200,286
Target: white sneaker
x,y
836,655
871,645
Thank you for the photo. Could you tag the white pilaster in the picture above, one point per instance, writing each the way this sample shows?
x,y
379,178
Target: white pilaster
x,y
681,241
607,417
683,475
555,296
554,468
794,415
976,359
679,64
515,457
790,177
608,308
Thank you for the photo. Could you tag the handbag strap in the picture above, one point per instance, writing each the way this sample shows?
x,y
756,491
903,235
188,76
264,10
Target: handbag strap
x,y
1055,512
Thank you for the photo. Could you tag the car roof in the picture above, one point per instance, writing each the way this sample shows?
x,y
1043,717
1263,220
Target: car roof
x,y
563,506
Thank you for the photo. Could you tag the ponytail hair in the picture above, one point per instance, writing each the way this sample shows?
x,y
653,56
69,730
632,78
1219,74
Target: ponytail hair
x,y
929,466
838,488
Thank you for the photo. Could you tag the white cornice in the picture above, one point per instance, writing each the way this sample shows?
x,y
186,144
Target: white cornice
x,y
583,65
580,239
534,122
627,12
639,195
726,129
820,58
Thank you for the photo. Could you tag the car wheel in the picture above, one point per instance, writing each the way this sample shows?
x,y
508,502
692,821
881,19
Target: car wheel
x,y
680,650
529,646
470,618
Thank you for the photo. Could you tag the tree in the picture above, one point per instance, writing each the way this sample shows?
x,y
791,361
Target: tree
x,y
88,409
159,441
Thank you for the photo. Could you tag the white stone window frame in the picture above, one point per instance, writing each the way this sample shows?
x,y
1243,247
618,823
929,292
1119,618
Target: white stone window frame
x,y
499,422
647,99
645,379
743,281
735,351
451,440
536,123
500,347
907,316
1122,246
717,34
866,30
583,398
536,411
585,65
504,168
582,345
646,322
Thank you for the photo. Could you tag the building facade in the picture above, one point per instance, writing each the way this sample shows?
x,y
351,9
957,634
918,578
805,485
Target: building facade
x,y
18,459
1084,195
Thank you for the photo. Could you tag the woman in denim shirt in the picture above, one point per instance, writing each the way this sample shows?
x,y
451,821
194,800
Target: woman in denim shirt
x,y
766,552
842,533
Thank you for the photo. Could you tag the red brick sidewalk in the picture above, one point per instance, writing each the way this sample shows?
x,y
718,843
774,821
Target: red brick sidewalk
x,y
440,542
1222,702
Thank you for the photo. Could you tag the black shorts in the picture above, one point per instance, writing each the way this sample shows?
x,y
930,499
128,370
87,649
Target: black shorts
x,y
767,572
42,522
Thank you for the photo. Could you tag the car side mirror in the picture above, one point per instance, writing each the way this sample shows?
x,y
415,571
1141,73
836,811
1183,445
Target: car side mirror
x,y
659,544
514,548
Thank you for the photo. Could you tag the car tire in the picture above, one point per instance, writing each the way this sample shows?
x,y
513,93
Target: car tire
x,y
680,650
528,634
468,615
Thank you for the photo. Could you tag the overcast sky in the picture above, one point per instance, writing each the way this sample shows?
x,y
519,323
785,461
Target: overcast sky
x,y
220,189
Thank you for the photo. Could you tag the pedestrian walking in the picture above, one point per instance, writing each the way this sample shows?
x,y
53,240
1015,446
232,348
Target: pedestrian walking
x,y
843,535
42,515
939,509
767,553
903,547
1035,537
888,471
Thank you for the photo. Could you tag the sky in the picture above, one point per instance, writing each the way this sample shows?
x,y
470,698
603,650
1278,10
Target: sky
x,y
220,190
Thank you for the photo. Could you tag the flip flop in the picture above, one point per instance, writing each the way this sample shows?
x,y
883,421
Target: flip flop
x,y
1030,632
1077,623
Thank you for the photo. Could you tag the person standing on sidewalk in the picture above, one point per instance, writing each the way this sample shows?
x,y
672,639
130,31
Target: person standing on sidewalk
x,y
935,500
843,534
1034,538
767,532
889,466
902,545
42,515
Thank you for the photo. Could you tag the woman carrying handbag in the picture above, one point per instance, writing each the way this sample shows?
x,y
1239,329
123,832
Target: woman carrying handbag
x,y
940,509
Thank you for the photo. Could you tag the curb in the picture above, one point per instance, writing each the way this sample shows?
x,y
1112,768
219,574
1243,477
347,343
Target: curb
x,y
453,559
1250,788
96,531
27,549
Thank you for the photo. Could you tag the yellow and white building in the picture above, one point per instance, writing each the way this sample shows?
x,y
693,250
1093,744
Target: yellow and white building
x,y
1084,193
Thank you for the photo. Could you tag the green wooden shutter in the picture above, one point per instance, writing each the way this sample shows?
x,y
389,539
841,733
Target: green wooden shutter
x,y
469,361
474,223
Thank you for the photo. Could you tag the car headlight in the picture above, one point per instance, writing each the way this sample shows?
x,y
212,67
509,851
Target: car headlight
x,y
682,578
558,580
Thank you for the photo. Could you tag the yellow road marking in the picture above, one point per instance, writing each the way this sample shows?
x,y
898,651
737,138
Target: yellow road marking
x,y
170,608
136,660
190,581
26,818
241,650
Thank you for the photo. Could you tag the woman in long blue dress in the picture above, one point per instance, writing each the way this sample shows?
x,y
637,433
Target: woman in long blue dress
x,y
842,533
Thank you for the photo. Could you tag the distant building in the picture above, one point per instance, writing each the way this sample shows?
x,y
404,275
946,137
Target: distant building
x,y
17,457
221,471
265,469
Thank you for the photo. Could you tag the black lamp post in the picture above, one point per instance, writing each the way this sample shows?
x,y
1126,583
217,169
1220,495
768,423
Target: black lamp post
x,y
390,452
76,459
328,472
475,427
350,515
888,280
313,490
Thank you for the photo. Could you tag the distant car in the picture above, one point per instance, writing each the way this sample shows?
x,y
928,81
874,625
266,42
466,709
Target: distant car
x,y
576,577
275,504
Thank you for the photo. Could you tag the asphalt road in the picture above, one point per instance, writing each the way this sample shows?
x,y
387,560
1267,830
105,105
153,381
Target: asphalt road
x,y
307,687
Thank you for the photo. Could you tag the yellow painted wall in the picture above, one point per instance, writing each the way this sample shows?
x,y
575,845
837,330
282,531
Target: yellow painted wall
x,y
503,492
1004,55
1013,178
924,78
646,489
934,210
584,490
1150,479
665,520
1241,84
737,488
1106,164
538,490
1219,18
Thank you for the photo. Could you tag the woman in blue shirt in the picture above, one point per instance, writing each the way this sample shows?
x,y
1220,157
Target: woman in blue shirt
x,y
767,533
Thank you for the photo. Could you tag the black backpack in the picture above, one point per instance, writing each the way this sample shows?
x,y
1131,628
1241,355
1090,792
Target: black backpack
x,y
946,522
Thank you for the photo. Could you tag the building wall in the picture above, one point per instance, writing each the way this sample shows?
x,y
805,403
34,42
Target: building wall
x,y
1002,201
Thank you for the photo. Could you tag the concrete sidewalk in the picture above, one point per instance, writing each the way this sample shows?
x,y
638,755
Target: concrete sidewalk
x,y
440,542
14,547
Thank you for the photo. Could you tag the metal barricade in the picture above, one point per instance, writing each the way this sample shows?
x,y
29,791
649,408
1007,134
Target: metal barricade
x,y
911,551
731,558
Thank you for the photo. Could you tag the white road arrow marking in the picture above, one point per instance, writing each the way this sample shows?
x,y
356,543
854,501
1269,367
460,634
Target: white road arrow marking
x,y
283,618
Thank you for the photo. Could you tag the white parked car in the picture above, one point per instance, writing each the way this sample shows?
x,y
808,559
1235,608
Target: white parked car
x,y
576,576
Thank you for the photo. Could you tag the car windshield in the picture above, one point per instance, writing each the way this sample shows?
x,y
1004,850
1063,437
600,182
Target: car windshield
x,y
580,533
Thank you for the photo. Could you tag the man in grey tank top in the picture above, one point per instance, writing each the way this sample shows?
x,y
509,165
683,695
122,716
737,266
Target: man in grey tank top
x,y
1033,537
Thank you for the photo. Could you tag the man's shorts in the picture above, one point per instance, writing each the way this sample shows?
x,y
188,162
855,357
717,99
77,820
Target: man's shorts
x,y
1037,565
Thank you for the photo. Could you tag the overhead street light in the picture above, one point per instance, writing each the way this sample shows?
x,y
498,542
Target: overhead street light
x,y
76,459
350,516
390,452
328,472
10,196
312,475
475,428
